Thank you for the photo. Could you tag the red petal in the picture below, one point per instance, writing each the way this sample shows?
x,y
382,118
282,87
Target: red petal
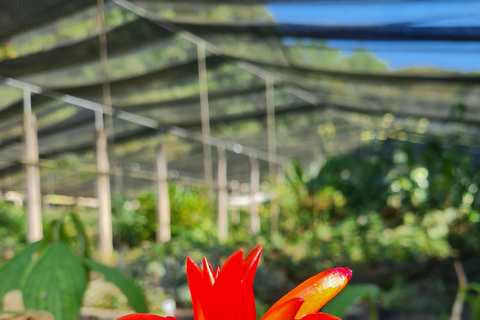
x,y
319,316
208,272
197,289
246,304
246,300
225,291
318,290
249,265
144,316
284,311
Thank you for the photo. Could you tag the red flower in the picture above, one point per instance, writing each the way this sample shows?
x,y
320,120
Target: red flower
x,y
228,294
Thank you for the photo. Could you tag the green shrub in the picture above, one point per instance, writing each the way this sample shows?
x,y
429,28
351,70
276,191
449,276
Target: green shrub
x,y
12,229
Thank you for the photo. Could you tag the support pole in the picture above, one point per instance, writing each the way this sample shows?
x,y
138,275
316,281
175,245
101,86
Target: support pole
x,y
254,189
34,198
272,140
163,200
103,192
235,212
107,96
274,207
102,38
222,196
272,151
205,115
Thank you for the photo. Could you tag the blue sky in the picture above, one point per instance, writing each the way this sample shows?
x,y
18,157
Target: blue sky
x,y
444,55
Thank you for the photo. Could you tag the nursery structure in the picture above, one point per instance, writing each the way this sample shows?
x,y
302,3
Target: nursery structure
x,y
100,99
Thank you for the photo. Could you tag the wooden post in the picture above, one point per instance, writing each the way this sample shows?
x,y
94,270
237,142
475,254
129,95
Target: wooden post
x,y
272,151
205,116
272,140
274,207
235,212
103,192
163,200
107,97
254,189
102,39
30,145
222,196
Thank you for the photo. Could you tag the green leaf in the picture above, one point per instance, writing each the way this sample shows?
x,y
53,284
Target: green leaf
x,y
52,231
81,234
55,283
475,304
13,270
348,297
474,286
127,285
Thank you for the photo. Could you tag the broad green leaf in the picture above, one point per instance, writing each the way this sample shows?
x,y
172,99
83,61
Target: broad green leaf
x,y
348,297
55,283
13,270
127,285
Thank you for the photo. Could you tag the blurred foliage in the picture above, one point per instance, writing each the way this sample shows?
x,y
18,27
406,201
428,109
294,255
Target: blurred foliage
x,y
104,295
474,300
6,51
12,229
408,207
424,203
383,214
391,212
218,13
65,31
424,295
190,208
